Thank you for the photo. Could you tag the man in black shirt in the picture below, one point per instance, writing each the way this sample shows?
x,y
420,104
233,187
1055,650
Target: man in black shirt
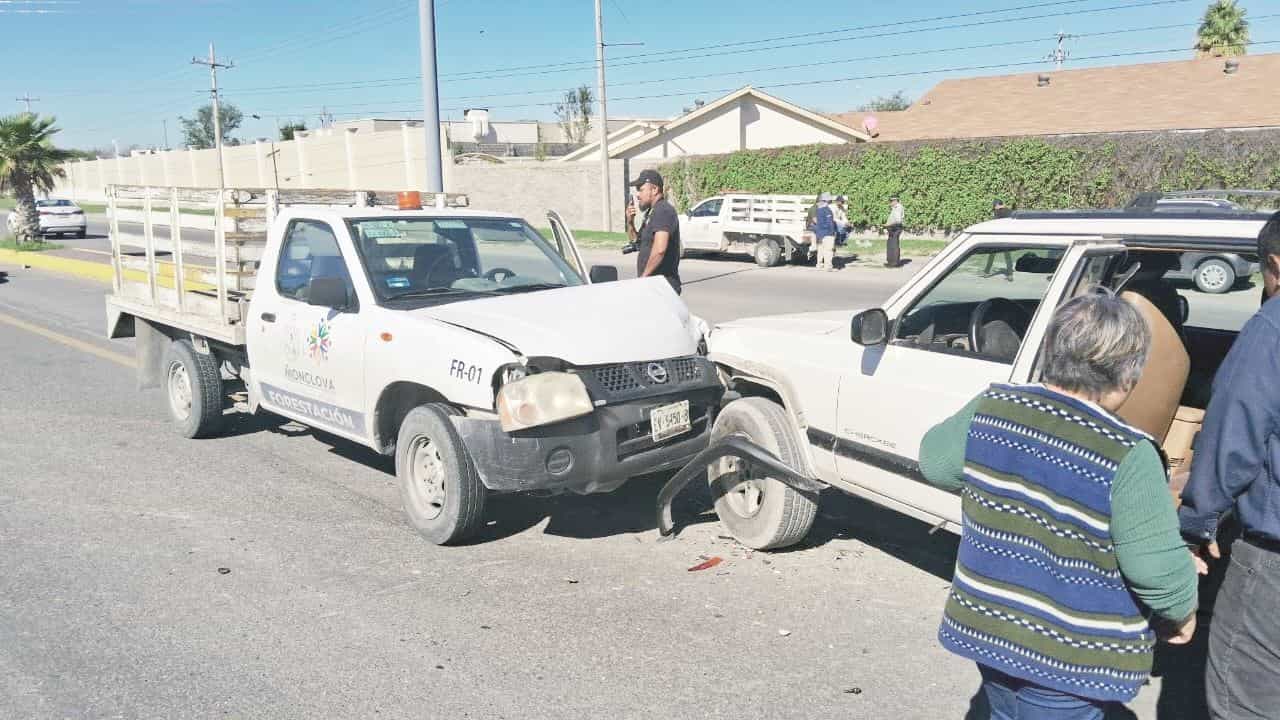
x,y
659,237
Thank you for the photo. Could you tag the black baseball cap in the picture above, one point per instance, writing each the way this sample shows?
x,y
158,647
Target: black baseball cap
x,y
647,176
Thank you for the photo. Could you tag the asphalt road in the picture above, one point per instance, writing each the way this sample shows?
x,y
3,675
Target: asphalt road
x,y
113,602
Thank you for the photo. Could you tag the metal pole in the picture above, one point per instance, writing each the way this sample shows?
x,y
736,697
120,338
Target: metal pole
x,y
606,196
166,133
434,178
217,115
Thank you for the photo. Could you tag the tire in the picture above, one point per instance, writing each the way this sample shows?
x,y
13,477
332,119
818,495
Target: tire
x,y
767,252
439,486
193,390
760,512
1215,276
80,235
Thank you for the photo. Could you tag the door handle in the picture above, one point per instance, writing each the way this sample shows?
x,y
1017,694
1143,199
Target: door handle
x,y
269,317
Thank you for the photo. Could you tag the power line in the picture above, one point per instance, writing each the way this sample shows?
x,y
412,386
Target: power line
x,y
387,82
822,63
882,76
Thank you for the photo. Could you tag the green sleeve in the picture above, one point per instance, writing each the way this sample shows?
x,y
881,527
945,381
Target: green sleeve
x,y
1153,558
942,449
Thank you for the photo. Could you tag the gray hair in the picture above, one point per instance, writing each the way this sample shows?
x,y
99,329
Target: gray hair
x,y
1096,344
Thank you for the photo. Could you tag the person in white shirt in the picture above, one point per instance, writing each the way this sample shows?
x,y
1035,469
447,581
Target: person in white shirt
x,y
893,250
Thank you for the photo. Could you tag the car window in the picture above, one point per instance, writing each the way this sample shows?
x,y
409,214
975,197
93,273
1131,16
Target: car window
x,y
310,250
987,298
710,208
415,255
1222,291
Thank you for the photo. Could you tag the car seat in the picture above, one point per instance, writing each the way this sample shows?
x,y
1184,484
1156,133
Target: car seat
x,y
1153,403
432,267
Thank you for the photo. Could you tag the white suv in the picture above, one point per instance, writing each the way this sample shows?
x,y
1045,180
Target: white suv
x,y
842,399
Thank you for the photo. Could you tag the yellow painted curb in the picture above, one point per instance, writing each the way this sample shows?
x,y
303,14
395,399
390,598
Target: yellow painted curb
x,y
99,272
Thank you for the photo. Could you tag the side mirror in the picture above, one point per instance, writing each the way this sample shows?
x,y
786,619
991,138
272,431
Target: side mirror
x,y
603,273
870,327
330,292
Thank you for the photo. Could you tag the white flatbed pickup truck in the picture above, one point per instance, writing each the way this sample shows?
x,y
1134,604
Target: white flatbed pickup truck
x,y
770,228
484,357
842,399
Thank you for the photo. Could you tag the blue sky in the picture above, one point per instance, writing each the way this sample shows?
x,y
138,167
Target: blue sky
x,y
116,69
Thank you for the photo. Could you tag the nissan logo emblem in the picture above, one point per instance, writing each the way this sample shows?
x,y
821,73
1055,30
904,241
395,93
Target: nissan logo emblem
x,y
657,372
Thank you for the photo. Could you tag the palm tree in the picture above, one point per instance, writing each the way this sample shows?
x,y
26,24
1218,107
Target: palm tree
x,y
1223,31
29,163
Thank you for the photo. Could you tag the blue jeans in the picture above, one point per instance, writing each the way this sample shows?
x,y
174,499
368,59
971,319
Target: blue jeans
x,y
1014,699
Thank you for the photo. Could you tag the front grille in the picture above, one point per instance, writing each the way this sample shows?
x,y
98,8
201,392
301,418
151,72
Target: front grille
x,y
626,381
616,379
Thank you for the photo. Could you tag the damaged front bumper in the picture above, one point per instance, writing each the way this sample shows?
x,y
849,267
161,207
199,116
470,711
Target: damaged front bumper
x,y
730,446
592,454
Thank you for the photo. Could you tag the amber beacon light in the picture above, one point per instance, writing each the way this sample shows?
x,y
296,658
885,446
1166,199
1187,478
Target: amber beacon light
x,y
409,200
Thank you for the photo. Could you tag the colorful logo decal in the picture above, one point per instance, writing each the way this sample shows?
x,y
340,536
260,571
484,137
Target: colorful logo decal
x,y
318,341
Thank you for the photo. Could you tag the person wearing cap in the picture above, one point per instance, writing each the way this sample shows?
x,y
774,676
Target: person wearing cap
x,y
893,248
658,239
824,228
1000,210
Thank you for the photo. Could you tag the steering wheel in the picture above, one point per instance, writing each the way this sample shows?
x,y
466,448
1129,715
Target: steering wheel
x,y
1002,334
506,274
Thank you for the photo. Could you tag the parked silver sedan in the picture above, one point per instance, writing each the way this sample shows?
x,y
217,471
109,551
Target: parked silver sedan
x,y
57,217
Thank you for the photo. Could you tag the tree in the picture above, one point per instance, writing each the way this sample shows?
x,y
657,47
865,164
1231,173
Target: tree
x,y
574,113
885,103
1223,31
29,163
288,129
199,130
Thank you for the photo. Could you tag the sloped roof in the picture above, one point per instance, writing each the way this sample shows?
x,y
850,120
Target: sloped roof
x,y
1179,95
593,148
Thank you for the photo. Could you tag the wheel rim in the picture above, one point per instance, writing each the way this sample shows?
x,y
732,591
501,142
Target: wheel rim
x,y
179,383
1213,276
743,493
426,478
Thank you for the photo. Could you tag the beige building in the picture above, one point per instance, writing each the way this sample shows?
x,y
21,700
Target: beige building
x,y
1184,95
747,119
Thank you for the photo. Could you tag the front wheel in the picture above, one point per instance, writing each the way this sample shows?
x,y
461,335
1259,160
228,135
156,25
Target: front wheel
x,y
759,511
193,388
768,252
439,486
1215,276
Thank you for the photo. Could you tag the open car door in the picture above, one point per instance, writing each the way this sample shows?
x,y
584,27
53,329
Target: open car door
x,y
565,244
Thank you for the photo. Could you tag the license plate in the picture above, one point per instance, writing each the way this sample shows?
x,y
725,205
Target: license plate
x,y
669,421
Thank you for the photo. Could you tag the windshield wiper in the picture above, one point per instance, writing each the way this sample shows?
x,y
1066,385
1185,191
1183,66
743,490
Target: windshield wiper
x,y
530,287
431,292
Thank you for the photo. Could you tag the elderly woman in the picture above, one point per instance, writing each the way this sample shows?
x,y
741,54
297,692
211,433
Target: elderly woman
x,y
1070,551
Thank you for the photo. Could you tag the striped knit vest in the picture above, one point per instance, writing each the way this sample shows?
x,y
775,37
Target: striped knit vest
x,y
1037,592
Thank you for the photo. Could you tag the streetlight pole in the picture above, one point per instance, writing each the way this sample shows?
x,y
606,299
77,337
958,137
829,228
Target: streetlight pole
x,y
606,195
434,178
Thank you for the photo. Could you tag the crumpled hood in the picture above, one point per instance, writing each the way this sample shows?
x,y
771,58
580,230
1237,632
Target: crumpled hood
x,y
811,323
612,322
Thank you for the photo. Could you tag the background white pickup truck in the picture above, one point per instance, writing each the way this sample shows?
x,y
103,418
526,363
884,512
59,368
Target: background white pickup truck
x,y
842,399
479,354
771,228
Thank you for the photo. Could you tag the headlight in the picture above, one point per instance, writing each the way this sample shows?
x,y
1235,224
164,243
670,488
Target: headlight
x,y
542,399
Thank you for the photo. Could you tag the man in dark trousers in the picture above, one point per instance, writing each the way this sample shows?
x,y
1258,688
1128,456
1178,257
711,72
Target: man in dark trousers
x,y
1237,464
893,248
658,240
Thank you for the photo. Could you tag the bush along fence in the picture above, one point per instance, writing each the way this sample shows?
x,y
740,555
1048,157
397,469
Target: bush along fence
x,y
949,185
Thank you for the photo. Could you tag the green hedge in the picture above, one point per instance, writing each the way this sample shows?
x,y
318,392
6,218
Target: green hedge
x,y
948,185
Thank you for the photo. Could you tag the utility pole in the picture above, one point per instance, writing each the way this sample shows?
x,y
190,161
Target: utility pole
x,y
434,177
26,98
213,64
1059,54
606,195
165,122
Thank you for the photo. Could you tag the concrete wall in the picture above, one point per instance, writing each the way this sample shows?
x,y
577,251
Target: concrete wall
x,y
352,159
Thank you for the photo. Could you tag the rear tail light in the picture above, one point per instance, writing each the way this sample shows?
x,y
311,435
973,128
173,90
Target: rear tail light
x,y
45,212
77,212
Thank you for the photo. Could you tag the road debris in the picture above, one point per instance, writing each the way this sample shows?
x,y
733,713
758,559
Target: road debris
x,y
224,571
571,581
853,691
707,563
784,633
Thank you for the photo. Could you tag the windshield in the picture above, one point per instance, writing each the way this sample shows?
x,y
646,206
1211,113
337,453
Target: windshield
x,y
53,203
454,256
